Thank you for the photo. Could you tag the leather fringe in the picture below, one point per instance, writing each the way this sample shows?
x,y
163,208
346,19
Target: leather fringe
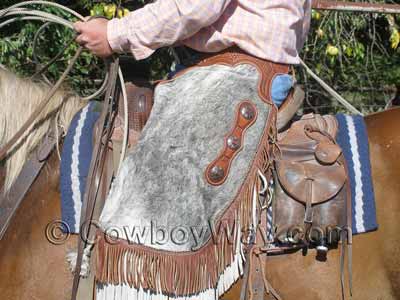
x,y
180,274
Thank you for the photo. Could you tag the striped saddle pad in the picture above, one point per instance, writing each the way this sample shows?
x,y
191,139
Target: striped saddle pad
x,y
352,137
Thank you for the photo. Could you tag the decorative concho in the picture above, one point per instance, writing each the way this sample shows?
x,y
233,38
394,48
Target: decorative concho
x,y
247,111
217,172
233,142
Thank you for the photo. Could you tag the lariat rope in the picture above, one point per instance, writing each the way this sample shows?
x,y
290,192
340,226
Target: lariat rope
x,y
19,12
331,91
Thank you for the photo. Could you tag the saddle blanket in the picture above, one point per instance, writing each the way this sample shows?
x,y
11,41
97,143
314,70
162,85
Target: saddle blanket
x,y
75,162
353,139
77,151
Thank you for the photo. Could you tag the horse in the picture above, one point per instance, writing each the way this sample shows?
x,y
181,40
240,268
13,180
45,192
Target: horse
x,y
34,268
19,98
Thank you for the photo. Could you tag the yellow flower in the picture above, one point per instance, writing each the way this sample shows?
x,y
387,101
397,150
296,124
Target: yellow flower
x,y
394,38
320,32
348,50
126,12
97,10
332,50
315,15
110,10
120,13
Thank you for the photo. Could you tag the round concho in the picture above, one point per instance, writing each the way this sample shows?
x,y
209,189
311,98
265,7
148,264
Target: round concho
x,y
233,142
247,111
216,173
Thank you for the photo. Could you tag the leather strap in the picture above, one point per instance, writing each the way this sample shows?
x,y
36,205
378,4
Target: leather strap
x,y
246,115
246,275
96,167
259,283
346,237
255,284
87,285
308,216
342,257
289,107
10,202
349,236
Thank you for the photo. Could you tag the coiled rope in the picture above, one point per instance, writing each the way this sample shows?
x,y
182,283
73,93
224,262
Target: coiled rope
x,y
22,12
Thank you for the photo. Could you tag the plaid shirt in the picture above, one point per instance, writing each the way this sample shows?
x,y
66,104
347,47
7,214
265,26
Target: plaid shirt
x,y
269,29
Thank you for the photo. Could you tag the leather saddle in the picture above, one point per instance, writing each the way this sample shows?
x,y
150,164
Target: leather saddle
x,y
140,102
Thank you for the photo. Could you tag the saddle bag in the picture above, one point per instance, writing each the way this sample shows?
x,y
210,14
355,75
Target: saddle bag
x,y
309,206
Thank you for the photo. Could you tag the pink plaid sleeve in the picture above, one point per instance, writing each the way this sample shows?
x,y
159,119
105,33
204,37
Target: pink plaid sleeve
x,y
307,19
162,23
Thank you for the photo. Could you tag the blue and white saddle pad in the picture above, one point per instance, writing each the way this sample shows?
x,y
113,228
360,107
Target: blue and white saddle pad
x,y
353,139
77,154
75,162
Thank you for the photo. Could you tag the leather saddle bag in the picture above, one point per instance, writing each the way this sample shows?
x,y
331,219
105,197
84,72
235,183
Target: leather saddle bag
x,y
310,184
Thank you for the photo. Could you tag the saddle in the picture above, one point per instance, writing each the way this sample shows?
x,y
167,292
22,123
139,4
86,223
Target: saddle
x,y
140,103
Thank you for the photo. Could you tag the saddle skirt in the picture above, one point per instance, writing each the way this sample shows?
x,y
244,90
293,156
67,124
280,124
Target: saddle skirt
x,y
176,220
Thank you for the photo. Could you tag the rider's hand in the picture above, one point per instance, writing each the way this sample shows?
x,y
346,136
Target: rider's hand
x,y
93,36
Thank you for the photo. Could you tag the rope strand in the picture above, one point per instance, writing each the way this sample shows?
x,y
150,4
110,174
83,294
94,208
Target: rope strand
x,y
19,12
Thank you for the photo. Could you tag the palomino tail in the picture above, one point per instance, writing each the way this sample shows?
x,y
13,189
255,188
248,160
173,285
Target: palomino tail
x,y
18,100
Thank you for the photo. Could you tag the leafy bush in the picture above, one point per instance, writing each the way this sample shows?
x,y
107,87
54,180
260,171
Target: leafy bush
x,y
19,52
357,54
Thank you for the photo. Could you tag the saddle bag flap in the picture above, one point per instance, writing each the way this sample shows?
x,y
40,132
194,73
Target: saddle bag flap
x,y
327,180
327,153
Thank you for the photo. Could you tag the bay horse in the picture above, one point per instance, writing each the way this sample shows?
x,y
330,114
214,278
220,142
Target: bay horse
x,y
33,268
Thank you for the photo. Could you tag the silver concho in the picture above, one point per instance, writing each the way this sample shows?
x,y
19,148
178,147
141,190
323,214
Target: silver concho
x,y
233,142
247,111
216,173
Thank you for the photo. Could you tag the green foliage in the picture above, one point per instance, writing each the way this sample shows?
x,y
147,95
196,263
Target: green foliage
x,y
19,53
364,66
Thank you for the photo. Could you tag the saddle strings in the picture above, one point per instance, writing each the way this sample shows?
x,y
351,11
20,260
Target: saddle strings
x,y
19,12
